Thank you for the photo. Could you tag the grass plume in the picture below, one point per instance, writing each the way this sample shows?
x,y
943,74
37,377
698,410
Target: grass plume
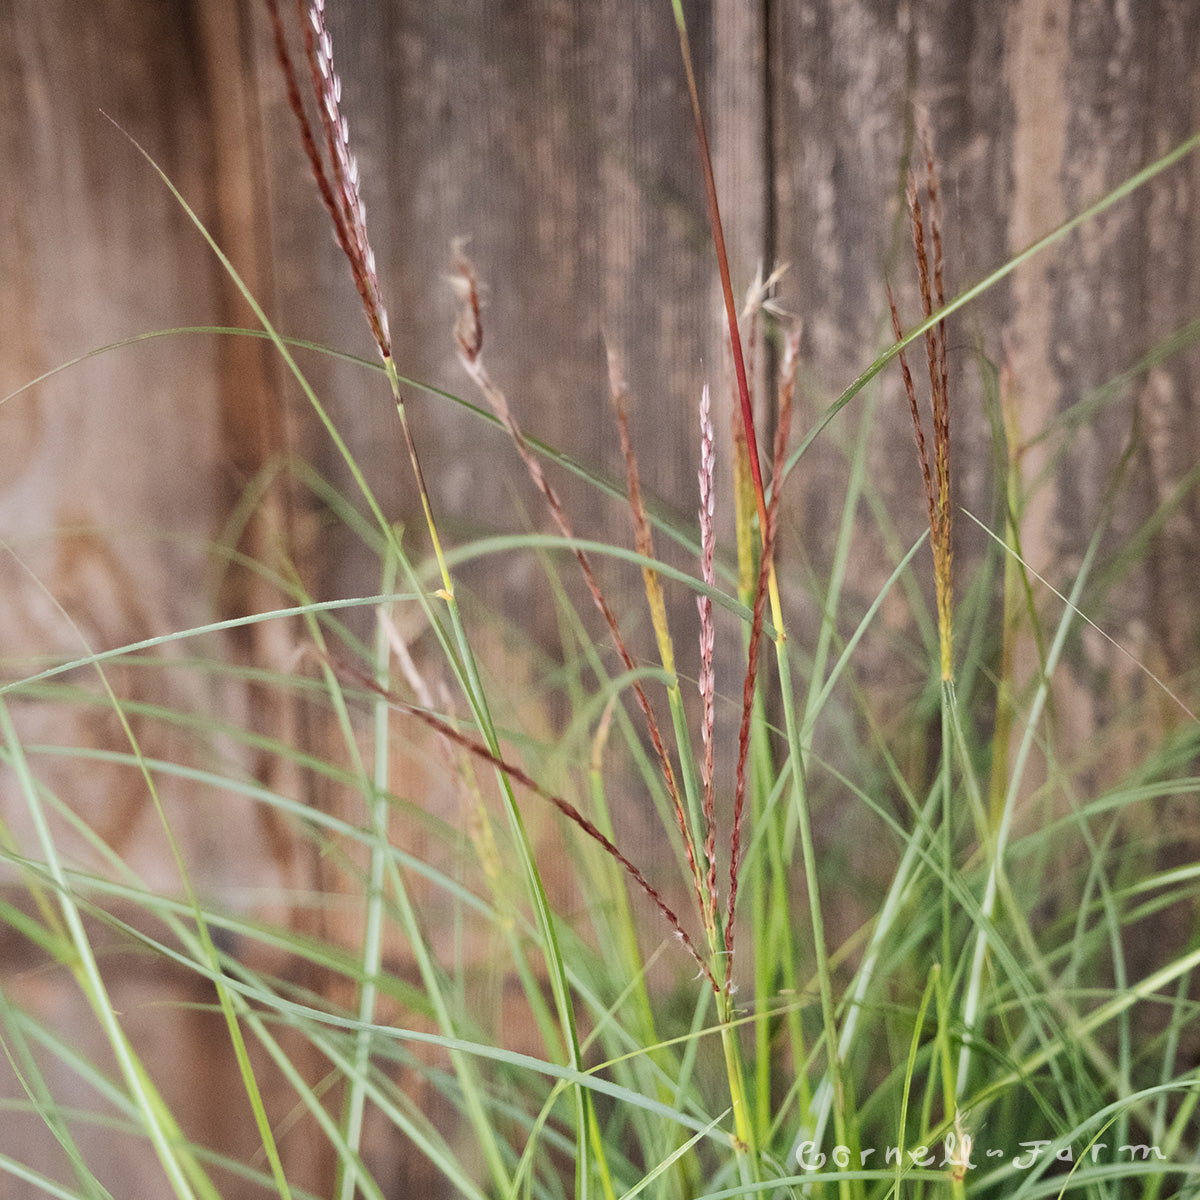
x,y
336,170
509,769
336,175
927,234
708,635
782,432
468,333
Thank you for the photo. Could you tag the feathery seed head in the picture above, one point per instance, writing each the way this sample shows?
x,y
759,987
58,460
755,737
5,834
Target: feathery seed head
x,y
336,172
935,475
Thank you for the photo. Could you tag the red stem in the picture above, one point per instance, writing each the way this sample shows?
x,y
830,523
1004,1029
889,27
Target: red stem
x,y
718,236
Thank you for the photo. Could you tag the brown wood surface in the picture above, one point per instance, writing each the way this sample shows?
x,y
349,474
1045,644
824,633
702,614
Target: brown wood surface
x,y
556,136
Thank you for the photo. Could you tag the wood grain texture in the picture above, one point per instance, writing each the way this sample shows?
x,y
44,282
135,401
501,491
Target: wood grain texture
x,y
556,136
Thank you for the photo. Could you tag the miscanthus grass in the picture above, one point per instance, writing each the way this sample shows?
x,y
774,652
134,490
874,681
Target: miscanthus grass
x,y
990,1027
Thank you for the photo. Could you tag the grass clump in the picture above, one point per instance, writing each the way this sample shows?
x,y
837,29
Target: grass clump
x,y
672,1010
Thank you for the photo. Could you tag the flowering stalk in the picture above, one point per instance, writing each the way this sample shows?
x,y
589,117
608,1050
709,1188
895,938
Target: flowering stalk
x,y
930,279
351,218
708,685
735,339
340,194
336,173
518,776
468,332
782,431
693,790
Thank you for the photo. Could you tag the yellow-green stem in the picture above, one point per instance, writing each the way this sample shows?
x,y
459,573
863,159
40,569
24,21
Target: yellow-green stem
x,y
945,624
1011,615
389,366
745,1143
